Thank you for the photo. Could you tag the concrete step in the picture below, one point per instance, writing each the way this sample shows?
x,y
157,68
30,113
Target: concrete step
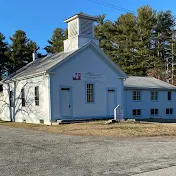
x,y
54,123
59,122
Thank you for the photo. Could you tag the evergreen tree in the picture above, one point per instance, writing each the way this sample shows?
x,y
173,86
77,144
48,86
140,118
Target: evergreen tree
x,y
104,33
3,55
125,38
139,44
21,50
66,33
56,42
146,22
163,39
163,31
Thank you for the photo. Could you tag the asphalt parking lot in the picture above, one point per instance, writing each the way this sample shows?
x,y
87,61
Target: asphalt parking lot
x,y
32,153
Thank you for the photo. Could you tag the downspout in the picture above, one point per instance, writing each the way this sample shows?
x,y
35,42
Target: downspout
x,y
10,109
122,101
49,93
14,101
125,104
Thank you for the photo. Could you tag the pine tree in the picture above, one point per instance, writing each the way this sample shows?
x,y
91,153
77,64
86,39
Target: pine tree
x,y
163,39
146,22
124,39
3,55
163,30
21,50
56,42
103,32
139,44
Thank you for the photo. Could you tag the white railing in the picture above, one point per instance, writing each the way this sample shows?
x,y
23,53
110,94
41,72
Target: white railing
x,y
118,113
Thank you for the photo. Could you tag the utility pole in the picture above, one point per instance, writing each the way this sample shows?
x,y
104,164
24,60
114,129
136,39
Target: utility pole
x,y
172,51
170,61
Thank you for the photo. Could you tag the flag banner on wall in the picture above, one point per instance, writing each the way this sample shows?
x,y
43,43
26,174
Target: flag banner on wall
x,y
89,76
76,76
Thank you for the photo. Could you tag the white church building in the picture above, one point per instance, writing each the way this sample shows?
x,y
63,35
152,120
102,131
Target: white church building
x,y
81,83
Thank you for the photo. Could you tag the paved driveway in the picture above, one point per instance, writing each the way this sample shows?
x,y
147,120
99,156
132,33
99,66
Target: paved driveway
x,y
24,152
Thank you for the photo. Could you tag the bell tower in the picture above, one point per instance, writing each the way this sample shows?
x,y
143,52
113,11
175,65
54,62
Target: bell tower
x,y
80,31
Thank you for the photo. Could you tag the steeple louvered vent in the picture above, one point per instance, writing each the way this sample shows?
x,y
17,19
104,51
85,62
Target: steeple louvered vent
x,y
73,30
80,31
86,27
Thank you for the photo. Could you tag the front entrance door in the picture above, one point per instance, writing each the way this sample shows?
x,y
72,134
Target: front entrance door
x,y
66,102
111,102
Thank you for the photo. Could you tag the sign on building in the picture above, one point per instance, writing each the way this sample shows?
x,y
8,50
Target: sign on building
x,y
77,76
89,76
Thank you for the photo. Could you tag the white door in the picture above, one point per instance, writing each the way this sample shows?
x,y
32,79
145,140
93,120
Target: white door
x,y
111,102
65,102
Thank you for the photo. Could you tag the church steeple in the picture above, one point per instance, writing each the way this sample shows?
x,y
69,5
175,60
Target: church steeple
x,y
80,31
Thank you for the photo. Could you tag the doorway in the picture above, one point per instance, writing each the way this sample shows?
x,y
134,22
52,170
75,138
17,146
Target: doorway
x,y
111,101
66,103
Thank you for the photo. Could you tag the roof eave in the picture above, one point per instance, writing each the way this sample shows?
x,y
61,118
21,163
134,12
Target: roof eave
x,y
28,76
149,88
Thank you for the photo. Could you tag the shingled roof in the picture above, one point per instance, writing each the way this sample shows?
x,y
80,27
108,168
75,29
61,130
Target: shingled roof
x,y
41,65
137,82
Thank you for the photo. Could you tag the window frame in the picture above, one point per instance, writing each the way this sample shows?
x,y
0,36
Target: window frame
x,y
23,100
169,111
90,93
136,112
155,96
154,112
169,95
136,95
37,98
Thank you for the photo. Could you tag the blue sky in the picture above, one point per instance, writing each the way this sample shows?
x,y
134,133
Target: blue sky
x,y
38,18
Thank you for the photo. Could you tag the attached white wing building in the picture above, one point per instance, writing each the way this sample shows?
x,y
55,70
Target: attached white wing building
x,y
148,97
81,83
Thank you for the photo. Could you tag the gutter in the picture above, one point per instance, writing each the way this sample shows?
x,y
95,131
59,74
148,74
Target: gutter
x,y
147,88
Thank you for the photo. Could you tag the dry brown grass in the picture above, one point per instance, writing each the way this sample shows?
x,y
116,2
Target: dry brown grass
x,y
99,128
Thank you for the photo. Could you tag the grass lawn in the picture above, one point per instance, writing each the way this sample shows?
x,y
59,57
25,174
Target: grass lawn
x,y
99,128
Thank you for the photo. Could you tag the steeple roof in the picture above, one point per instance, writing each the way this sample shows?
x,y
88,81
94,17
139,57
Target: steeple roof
x,y
81,15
